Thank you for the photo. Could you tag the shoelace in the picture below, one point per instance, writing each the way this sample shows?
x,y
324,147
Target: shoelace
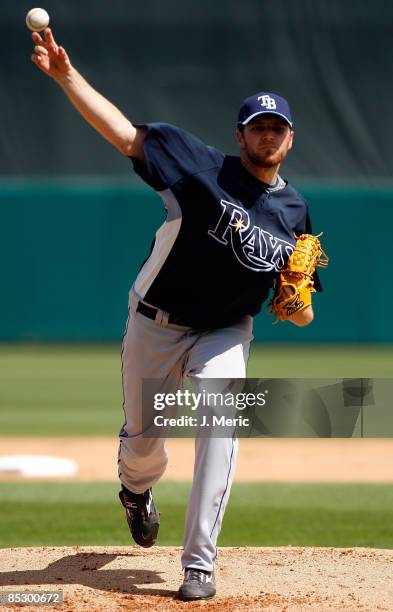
x,y
193,575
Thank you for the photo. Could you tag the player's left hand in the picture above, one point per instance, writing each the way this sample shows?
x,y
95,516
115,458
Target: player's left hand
x,y
292,298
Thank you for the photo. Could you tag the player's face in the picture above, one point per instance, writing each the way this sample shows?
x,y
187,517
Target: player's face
x,y
265,141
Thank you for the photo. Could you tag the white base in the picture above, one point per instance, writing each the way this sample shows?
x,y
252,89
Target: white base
x,y
33,466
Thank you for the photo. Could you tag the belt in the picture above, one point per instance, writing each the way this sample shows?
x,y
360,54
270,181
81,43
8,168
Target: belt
x,y
151,312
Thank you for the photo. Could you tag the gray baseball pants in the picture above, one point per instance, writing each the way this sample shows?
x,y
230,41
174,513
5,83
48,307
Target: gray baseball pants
x,y
158,350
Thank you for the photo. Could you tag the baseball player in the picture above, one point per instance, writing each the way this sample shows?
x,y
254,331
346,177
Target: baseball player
x,y
229,230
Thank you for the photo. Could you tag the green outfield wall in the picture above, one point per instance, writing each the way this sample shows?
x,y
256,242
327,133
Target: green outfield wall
x,y
69,252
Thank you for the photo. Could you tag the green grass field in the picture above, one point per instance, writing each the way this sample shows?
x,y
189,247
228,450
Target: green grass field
x,y
257,515
48,390
76,390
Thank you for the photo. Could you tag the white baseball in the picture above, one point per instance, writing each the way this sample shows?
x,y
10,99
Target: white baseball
x,y
37,19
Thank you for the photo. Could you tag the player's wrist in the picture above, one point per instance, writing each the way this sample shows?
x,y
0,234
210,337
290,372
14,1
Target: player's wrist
x,y
302,317
67,78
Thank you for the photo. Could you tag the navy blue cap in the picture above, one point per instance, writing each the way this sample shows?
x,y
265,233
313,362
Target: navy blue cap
x,y
262,104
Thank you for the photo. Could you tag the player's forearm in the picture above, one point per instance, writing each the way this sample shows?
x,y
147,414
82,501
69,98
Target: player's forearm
x,y
102,115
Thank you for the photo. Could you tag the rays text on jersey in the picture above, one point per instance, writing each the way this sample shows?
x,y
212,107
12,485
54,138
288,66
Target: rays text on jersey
x,y
254,247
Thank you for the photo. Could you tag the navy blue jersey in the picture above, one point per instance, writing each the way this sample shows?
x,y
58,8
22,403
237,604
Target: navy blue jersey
x,y
226,236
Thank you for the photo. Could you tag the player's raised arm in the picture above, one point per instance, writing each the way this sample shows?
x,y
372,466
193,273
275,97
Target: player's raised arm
x,y
53,60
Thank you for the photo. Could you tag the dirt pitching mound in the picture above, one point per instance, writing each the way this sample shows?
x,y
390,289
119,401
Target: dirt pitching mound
x,y
291,578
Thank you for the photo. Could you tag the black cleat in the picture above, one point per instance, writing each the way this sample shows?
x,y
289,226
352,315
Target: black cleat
x,y
197,584
142,516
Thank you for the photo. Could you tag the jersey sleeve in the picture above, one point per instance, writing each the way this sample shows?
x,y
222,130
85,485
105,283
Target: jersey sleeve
x,y
305,227
171,154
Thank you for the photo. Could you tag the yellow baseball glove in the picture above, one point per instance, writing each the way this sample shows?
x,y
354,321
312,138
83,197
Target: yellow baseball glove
x,y
295,285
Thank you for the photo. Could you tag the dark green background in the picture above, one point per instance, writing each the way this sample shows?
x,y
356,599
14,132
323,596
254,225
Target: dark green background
x,y
192,63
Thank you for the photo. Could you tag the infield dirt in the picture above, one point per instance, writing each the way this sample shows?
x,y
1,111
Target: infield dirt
x,y
260,460
108,579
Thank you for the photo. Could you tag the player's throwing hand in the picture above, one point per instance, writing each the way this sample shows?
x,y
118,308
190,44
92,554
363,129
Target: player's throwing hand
x,y
49,57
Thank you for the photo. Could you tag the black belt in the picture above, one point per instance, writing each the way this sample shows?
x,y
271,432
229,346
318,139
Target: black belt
x,y
150,312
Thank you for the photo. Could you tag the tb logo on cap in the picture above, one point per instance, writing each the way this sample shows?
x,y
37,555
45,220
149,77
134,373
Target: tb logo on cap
x,y
267,101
